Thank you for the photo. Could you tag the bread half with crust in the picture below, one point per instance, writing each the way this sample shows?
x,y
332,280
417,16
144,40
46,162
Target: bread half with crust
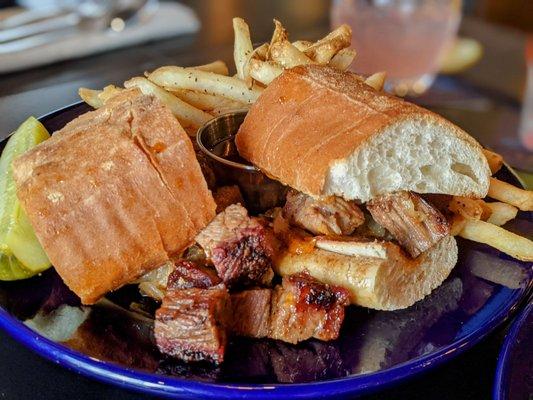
x,y
114,194
325,132
378,275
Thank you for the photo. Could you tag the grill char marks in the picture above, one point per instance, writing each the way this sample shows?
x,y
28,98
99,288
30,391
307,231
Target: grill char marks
x,y
189,325
241,248
303,308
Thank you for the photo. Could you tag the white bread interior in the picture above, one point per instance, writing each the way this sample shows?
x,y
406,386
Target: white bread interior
x,y
390,283
416,154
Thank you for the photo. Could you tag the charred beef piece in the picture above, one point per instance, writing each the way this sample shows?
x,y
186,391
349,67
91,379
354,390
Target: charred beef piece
x,y
303,308
189,325
331,216
251,313
225,196
188,275
241,248
413,222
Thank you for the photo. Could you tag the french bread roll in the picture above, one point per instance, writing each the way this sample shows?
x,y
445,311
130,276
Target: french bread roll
x,y
388,280
114,194
325,132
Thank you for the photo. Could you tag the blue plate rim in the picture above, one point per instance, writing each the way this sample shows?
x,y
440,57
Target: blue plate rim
x,y
173,386
503,364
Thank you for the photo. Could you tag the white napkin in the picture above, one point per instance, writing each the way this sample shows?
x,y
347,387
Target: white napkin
x,y
170,19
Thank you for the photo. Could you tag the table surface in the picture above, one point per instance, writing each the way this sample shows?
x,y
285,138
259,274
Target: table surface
x,y
484,100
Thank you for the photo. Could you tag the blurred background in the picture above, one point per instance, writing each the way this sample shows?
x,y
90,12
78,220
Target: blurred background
x,y
470,54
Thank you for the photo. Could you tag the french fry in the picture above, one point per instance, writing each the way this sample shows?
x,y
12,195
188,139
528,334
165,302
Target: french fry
x,y
242,48
503,191
457,224
90,96
302,45
176,78
288,56
264,71
186,114
108,92
324,50
279,35
208,102
343,59
510,243
466,207
494,159
217,67
260,52
377,80
501,213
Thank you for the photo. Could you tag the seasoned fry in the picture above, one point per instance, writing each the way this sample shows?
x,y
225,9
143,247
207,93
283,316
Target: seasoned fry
x,y
264,71
466,207
217,67
288,56
377,80
503,191
494,159
279,35
208,102
260,52
457,224
108,92
302,45
180,78
512,244
343,59
186,114
242,48
90,96
501,213
324,50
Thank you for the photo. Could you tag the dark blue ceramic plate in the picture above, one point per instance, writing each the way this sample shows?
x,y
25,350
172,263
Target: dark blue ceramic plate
x,y
514,373
375,349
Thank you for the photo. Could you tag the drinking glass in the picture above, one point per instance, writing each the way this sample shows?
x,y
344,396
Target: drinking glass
x,y
405,38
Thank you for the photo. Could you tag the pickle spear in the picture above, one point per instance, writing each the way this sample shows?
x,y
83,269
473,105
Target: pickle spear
x,y
21,255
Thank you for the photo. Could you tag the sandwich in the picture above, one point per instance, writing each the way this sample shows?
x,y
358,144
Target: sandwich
x,y
367,172
114,194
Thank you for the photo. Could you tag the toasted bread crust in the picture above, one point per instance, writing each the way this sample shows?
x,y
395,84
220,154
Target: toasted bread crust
x,y
311,117
113,194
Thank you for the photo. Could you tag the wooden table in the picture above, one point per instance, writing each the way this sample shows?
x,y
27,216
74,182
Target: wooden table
x,y
484,100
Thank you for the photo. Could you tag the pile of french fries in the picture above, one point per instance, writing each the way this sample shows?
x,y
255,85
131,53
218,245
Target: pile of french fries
x,y
197,94
481,221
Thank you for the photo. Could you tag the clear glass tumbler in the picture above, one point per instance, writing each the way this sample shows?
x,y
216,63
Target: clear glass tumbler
x,y
405,38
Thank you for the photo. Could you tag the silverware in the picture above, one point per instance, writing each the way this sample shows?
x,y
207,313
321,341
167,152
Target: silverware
x,y
89,16
216,139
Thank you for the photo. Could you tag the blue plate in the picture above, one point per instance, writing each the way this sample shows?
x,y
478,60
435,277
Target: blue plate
x,y
375,349
514,372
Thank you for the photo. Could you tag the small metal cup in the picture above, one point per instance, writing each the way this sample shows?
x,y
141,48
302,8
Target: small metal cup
x,y
217,140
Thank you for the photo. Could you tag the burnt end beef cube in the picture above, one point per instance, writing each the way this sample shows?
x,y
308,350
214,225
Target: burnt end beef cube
x,y
240,247
190,324
303,308
245,261
250,310
413,221
187,275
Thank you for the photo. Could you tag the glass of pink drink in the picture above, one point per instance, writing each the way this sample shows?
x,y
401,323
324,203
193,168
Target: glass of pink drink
x,y
405,38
